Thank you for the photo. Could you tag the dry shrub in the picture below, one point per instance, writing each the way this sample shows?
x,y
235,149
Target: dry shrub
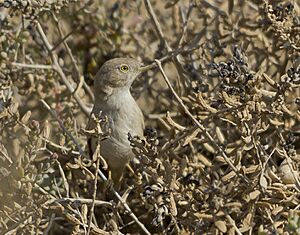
x,y
221,151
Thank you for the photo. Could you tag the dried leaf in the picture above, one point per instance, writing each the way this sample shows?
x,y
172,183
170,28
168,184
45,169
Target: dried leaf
x,y
221,225
173,208
263,182
269,80
46,130
26,117
191,137
172,123
253,195
220,135
204,104
209,148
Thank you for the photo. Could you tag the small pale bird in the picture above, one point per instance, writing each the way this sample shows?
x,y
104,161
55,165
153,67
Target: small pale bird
x,y
113,99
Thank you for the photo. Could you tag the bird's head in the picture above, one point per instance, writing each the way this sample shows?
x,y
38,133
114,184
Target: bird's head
x,y
118,73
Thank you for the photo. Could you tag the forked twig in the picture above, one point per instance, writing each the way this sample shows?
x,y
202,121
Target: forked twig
x,y
159,31
131,214
157,25
232,222
59,70
79,78
54,114
95,181
94,197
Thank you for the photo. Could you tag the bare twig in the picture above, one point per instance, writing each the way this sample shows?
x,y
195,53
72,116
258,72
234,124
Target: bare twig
x,y
79,85
96,202
173,54
58,148
157,25
65,181
49,224
53,113
32,66
79,78
161,115
59,70
95,189
185,24
131,214
62,40
200,126
82,200
165,43
232,222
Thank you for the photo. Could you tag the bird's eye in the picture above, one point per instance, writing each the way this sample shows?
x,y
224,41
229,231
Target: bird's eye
x,y
124,68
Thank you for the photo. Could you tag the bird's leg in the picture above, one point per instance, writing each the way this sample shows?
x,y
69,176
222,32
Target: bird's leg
x,y
117,175
132,172
109,183
114,178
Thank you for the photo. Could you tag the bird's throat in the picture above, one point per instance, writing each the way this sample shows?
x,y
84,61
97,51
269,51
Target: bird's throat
x,y
114,99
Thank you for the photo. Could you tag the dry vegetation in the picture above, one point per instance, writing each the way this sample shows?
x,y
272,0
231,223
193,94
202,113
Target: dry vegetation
x,y
221,151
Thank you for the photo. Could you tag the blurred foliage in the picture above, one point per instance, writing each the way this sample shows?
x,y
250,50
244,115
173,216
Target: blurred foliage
x,y
235,65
